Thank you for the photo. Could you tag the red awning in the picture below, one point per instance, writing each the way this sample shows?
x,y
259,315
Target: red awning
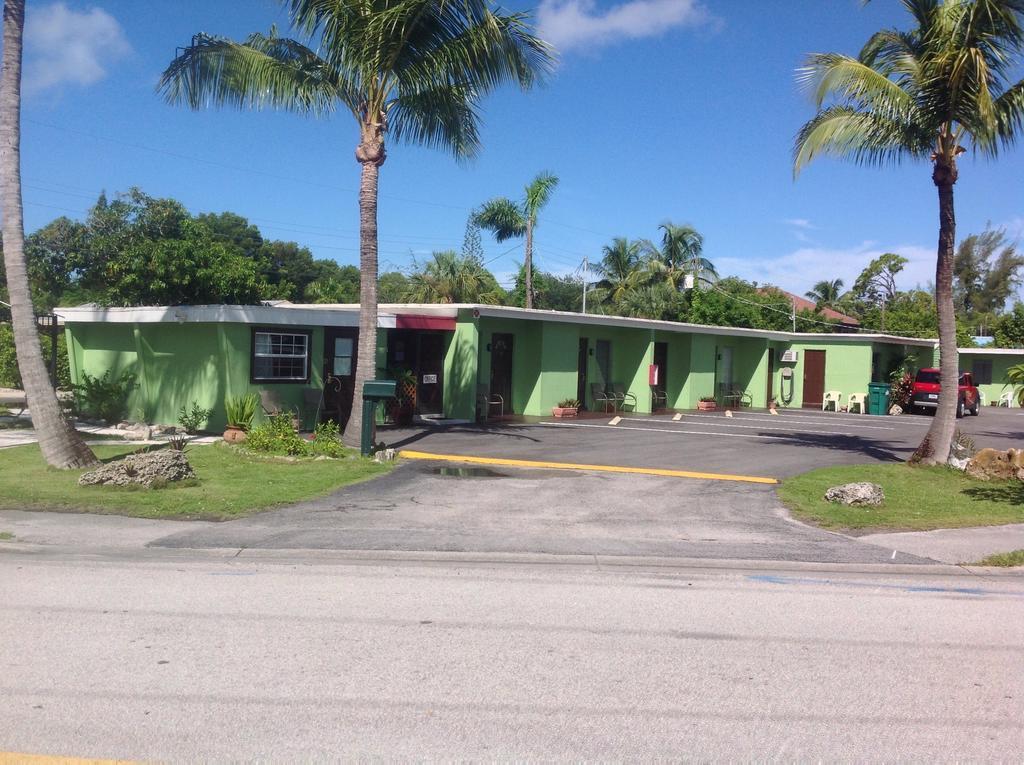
x,y
446,323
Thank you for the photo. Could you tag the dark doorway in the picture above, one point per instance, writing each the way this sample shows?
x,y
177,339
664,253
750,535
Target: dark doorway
x,y
603,352
501,368
770,393
581,374
430,374
340,371
660,389
814,379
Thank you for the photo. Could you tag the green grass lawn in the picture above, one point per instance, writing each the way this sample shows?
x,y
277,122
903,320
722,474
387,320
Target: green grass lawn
x,y
231,484
1003,560
916,499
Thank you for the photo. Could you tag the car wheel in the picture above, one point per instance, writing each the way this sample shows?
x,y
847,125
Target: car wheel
x,y
959,409
976,409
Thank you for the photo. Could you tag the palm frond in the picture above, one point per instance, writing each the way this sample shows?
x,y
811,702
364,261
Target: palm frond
x,y
265,70
842,131
538,193
847,80
443,117
1009,113
502,217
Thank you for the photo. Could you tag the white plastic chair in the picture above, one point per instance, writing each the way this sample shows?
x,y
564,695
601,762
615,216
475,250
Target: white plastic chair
x,y
1006,399
856,400
981,398
832,397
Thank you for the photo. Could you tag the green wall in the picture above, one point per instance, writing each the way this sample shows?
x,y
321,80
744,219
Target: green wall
x,y
461,370
847,367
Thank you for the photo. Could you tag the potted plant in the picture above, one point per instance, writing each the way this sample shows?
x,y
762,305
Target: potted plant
x,y
403,406
707,404
240,410
569,407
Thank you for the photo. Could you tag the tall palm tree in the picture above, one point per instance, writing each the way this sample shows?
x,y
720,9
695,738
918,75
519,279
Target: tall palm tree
x,y
924,94
411,70
826,293
681,254
510,220
61,446
620,268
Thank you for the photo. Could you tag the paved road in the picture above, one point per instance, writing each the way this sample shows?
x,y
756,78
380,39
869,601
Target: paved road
x,y
539,511
750,442
287,661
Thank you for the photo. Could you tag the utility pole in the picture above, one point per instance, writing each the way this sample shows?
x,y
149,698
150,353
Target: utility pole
x,y
793,306
585,268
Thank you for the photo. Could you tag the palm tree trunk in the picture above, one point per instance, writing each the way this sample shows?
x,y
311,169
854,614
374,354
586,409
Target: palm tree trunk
x,y
60,444
934,449
528,262
370,155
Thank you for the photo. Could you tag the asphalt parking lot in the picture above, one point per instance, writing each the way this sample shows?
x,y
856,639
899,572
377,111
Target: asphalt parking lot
x,y
442,506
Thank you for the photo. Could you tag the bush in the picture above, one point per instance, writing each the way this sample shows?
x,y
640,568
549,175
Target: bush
x,y
104,398
192,419
569,403
901,388
277,436
10,375
327,440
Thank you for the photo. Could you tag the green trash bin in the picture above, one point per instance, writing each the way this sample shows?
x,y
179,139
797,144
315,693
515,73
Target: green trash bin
x,y
373,392
878,398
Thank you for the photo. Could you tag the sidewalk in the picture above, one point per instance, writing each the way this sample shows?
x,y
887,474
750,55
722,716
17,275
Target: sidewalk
x,y
953,545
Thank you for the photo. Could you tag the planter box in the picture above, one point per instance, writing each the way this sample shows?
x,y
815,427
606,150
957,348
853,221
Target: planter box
x,y
707,406
567,411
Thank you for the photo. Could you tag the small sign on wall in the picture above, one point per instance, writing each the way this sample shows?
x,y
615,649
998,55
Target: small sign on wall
x,y
429,379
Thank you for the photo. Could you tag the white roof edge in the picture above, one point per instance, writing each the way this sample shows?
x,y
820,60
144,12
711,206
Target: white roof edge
x,y
994,351
346,315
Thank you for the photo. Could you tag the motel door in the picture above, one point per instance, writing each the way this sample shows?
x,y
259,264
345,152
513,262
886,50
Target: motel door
x,y
430,374
339,371
501,367
723,372
581,371
661,362
771,375
814,379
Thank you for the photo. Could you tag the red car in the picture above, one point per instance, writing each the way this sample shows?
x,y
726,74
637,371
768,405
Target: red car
x,y
925,393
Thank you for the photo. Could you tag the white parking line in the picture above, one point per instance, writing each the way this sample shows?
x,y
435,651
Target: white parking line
x,y
673,431
720,422
853,421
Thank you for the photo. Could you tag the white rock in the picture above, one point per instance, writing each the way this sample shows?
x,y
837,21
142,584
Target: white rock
x,y
856,494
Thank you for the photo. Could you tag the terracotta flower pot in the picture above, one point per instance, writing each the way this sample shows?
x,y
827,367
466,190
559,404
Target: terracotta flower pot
x,y
564,411
707,406
234,435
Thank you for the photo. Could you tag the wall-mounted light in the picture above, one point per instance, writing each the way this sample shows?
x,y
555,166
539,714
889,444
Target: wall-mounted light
x,y
590,351
488,347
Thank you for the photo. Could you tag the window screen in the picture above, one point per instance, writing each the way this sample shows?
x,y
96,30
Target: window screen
x,y
981,369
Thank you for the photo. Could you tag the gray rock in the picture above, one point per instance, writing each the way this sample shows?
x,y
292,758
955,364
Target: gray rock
x,y
895,410
163,466
856,494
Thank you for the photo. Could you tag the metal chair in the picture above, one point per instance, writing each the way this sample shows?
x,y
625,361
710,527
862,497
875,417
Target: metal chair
x,y
736,398
659,398
620,394
597,393
485,400
315,408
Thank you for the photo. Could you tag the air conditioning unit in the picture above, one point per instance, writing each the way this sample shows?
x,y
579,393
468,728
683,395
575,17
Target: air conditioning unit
x,y
791,357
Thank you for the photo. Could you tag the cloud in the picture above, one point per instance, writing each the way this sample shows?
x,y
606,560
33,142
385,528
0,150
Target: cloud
x,y
569,24
799,223
801,269
66,46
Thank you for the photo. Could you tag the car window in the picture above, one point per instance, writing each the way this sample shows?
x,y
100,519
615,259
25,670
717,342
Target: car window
x,y
926,376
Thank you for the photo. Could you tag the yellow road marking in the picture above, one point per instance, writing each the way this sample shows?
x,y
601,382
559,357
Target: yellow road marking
x,y
414,455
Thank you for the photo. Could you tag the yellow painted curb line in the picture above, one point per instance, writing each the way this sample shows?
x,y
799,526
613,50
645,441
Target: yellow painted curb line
x,y
413,455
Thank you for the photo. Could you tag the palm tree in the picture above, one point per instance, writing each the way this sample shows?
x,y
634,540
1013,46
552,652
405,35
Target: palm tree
x,y
61,446
825,294
510,220
412,70
681,254
924,94
452,278
620,268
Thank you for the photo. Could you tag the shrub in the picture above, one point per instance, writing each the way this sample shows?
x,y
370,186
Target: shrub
x,y
177,442
104,397
192,419
569,403
277,436
707,399
241,410
10,375
901,388
327,440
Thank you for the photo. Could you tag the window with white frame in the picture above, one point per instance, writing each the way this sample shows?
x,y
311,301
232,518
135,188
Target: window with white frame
x,y
280,356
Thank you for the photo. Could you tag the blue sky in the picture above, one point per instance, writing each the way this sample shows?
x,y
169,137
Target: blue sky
x,y
659,109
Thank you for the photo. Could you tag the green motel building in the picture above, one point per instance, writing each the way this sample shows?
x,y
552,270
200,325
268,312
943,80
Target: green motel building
x,y
464,356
